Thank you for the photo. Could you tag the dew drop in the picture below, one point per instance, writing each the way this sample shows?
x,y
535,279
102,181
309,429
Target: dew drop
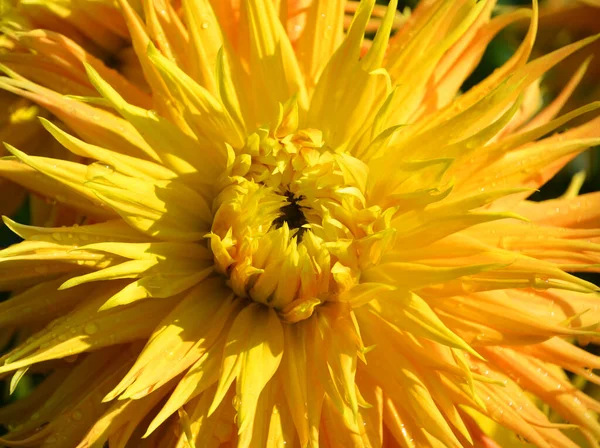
x,y
76,415
98,170
90,329
404,431
204,25
71,359
41,269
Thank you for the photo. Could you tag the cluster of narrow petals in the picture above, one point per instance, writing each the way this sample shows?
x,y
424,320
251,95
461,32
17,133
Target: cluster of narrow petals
x,y
256,227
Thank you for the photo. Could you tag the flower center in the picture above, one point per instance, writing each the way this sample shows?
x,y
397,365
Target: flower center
x,y
291,226
292,215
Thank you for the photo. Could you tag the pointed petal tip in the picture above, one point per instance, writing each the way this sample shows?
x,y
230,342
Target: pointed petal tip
x,y
8,222
68,284
10,148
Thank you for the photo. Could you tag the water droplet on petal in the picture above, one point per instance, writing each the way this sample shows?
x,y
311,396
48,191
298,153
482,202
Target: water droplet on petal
x,y
90,329
43,269
98,170
71,359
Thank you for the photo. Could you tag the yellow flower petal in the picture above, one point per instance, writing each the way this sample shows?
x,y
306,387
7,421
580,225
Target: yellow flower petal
x,y
87,328
254,340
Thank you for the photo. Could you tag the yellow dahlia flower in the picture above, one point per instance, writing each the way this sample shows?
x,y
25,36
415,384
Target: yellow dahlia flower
x,y
298,237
